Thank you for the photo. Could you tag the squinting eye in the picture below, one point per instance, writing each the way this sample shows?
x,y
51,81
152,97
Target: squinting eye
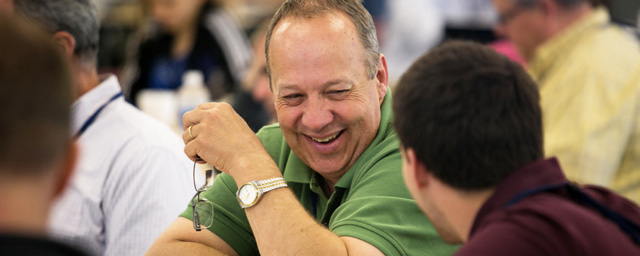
x,y
340,91
292,96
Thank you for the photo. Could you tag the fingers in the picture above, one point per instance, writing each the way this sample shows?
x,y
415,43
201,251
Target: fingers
x,y
193,117
189,134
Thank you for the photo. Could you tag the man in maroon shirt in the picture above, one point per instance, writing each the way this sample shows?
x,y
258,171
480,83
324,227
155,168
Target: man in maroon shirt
x,y
470,124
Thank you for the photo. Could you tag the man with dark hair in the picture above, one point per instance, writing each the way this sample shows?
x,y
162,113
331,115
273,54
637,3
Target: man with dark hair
x,y
588,72
470,127
323,181
36,154
132,178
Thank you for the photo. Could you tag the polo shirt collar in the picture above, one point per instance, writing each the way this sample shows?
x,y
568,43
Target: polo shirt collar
x,y
90,102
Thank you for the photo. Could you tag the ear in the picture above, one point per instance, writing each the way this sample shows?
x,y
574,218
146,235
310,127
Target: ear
x,y
416,170
66,42
382,77
67,166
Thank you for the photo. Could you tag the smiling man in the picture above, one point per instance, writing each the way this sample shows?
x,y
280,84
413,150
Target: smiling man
x,y
325,180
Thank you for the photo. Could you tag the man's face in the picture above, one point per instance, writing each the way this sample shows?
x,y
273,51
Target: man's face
x,y
524,26
428,206
328,109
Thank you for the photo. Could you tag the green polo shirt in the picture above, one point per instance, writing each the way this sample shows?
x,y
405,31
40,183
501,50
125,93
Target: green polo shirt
x,y
370,201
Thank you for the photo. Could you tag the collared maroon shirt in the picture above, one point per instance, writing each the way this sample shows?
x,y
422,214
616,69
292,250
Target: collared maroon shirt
x,y
548,223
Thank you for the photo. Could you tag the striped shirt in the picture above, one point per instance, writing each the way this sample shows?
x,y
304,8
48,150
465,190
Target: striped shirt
x,y
132,179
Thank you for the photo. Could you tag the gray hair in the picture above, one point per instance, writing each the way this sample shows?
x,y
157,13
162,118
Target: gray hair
x,y
352,8
77,17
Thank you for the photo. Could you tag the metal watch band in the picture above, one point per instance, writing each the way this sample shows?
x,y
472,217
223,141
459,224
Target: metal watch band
x,y
271,184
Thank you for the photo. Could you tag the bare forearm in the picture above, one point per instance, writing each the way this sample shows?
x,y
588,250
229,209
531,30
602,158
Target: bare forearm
x,y
181,239
279,217
182,248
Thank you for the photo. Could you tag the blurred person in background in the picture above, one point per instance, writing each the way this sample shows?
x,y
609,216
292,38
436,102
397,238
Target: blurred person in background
x,y
470,126
257,81
37,156
588,72
192,35
132,177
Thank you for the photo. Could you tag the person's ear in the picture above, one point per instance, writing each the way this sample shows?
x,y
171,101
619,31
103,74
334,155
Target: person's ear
x,y
67,166
417,170
382,77
66,42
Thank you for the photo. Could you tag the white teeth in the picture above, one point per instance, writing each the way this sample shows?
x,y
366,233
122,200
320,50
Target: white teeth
x,y
325,139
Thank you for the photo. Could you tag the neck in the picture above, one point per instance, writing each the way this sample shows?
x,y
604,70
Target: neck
x,y
461,208
566,18
184,39
24,204
85,78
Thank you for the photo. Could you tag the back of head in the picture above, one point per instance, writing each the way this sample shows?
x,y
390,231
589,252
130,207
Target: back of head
x,y
352,8
35,98
77,17
471,115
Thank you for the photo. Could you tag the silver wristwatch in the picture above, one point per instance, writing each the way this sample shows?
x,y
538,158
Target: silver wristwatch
x,y
251,192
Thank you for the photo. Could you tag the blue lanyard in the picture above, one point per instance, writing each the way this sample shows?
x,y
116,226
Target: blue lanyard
x,y
92,118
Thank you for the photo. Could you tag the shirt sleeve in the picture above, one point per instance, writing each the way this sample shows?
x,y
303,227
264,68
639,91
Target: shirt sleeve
x,y
143,198
380,211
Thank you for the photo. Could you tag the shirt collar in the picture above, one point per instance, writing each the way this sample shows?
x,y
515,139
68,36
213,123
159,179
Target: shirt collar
x,y
297,171
91,101
556,47
536,174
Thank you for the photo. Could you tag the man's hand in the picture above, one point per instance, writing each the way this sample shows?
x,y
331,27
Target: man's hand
x,y
219,136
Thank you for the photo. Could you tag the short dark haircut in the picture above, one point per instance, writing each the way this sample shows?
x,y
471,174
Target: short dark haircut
x,y
35,97
77,17
360,17
471,115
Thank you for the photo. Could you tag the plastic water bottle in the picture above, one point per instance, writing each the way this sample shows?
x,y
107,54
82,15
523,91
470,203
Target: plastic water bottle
x,y
191,93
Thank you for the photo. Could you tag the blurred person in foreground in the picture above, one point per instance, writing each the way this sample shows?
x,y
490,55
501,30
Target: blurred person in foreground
x,y
588,73
470,127
132,178
36,154
325,180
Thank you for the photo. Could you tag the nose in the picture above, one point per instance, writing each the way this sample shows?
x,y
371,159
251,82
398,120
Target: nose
x,y
317,114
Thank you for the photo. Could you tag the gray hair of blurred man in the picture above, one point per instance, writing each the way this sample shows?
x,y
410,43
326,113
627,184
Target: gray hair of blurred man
x,y
314,8
564,3
35,97
77,17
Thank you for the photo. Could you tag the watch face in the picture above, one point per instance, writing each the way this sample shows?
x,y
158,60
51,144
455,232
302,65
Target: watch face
x,y
248,194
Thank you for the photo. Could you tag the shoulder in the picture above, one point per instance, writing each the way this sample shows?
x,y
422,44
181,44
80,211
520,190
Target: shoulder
x,y
137,135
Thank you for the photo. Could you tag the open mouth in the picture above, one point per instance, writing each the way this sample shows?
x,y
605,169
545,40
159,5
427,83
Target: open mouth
x,y
327,139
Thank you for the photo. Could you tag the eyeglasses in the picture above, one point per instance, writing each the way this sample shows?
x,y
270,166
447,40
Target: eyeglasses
x,y
202,208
